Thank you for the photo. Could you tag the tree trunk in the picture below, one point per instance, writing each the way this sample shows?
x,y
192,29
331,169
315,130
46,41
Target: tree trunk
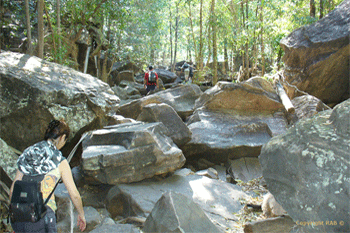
x,y
192,33
40,28
247,62
52,33
176,34
235,22
58,9
1,20
200,56
104,74
232,62
29,30
152,56
215,48
321,9
312,8
262,40
171,40
189,52
256,39
225,57
209,46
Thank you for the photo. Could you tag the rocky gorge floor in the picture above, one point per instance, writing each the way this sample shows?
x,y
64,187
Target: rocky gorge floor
x,y
227,158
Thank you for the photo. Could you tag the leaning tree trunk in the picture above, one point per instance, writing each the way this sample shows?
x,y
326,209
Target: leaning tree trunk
x,y
40,28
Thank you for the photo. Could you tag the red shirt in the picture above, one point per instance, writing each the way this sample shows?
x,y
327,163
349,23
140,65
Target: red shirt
x,y
146,78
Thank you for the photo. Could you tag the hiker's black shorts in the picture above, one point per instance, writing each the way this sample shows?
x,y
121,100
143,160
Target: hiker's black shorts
x,y
150,88
46,224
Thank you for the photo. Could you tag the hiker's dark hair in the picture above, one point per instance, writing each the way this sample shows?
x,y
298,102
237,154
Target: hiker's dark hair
x,y
56,129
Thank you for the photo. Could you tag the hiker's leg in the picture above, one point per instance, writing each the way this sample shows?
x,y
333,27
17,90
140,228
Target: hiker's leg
x,y
187,73
148,88
152,88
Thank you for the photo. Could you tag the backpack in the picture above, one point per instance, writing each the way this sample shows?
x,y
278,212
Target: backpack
x,y
27,203
152,77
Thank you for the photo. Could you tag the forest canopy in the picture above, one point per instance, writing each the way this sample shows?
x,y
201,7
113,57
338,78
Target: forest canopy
x,y
238,33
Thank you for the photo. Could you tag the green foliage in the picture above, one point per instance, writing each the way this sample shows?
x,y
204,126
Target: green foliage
x,y
139,30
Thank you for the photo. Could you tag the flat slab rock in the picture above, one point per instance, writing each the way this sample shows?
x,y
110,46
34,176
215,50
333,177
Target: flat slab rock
x,y
221,135
218,199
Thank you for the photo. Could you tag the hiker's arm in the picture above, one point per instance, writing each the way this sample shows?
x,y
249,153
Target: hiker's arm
x,y
19,176
67,178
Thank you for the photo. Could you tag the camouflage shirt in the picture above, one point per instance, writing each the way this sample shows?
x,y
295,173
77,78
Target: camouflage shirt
x,y
39,159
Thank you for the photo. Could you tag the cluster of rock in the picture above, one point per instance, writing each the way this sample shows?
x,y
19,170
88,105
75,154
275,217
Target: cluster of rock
x,y
162,162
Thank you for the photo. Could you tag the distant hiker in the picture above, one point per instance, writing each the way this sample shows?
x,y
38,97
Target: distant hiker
x,y
43,164
151,80
186,68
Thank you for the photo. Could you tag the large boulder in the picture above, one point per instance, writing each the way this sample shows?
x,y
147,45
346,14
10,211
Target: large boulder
x,y
166,76
307,106
317,56
125,65
175,212
34,91
8,160
129,152
307,170
125,75
177,129
232,121
181,99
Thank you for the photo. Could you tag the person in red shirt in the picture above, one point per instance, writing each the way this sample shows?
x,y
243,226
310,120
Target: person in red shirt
x,y
151,80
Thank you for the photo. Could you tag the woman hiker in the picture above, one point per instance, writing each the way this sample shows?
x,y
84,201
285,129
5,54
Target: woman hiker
x,y
45,159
